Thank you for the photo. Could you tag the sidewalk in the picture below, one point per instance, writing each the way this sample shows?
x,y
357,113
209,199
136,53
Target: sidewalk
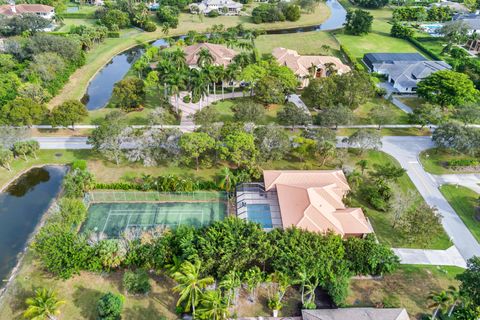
x,y
449,257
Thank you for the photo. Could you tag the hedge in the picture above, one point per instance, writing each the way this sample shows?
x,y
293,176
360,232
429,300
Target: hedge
x,y
463,163
357,65
424,49
113,34
77,15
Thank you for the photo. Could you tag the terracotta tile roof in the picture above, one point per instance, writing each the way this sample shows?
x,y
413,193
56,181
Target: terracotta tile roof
x,y
25,8
222,55
300,64
312,200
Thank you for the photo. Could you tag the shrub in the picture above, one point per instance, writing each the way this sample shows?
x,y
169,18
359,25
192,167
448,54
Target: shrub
x,y
72,212
187,99
136,282
377,194
463,163
112,34
110,306
400,31
79,164
351,58
213,14
150,26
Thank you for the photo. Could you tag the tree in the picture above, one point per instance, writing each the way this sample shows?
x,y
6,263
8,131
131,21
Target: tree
x,y
272,142
252,278
109,253
6,158
470,279
205,58
22,112
34,91
231,283
427,113
291,115
269,90
137,282
72,211
469,113
363,164
129,93
304,147
68,113
9,135
44,305
335,116
371,3
447,88
115,19
440,302
292,12
401,31
107,139
21,148
195,145
388,171
326,150
364,139
109,306
76,182
168,16
213,306
358,22
239,148
206,116
455,32
190,285
458,138
381,116
161,116
421,224
401,203
25,22
248,111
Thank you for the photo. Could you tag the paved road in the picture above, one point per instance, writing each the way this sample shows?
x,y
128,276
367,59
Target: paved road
x,y
406,151
54,143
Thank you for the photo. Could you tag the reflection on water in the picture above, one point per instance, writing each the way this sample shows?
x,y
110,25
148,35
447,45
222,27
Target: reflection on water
x,y
21,208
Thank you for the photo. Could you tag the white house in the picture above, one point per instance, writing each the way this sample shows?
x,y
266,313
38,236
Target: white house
x,y
10,10
472,20
224,7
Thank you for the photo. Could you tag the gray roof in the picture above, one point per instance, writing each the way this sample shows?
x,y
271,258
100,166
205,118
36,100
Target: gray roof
x,y
355,314
372,58
408,73
471,19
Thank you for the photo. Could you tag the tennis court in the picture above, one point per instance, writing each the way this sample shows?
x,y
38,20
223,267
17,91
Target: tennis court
x,y
112,214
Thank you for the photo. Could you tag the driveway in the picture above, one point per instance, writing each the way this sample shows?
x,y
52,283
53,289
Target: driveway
x,y
449,257
406,151
391,93
469,180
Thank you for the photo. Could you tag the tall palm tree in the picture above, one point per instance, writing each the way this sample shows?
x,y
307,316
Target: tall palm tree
x,y
213,306
45,305
440,302
198,84
205,58
227,179
177,57
231,283
190,284
455,296
177,83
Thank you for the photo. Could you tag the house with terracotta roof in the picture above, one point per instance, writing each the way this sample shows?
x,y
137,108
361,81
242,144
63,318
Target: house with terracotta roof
x,y
10,10
307,199
306,67
222,56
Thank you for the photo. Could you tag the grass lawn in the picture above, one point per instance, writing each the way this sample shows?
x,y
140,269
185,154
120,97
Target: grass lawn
x,y
435,44
363,116
224,109
101,54
408,287
67,23
311,43
464,201
412,102
378,40
433,161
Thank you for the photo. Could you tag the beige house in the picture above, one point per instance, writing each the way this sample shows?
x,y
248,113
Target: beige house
x,y
356,314
10,10
308,199
306,67
222,56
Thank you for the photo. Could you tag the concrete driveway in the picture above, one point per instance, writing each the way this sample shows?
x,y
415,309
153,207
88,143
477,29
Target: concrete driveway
x,y
469,180
406,151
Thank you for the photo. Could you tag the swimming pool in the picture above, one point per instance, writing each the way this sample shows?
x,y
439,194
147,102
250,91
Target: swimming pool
x,y
260,213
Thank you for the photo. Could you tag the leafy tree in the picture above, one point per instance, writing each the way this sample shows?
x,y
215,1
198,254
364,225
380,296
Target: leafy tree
x,y
239,148
421,224
161,116
447,88
304,147
108,137
195,145
455,32
269,90
76,182
34,91
335,116
470,279
381,116
68,113
371,3
190,284
326,150
267,12
26,22
137,282
252,278
114,19
109,306
21,148
231,283
206,116
9,82
291,115
364,139
292,12
62,252
363,164
248,111
401,203
22,112
388,171
44,305
427,113
358,22
378,194
72,211
109,254
129,93
213,306
458,138
272,142
6,158
469,113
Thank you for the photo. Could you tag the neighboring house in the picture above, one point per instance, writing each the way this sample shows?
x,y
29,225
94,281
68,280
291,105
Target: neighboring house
x,y
222,56
308,199
454,6
403,70
10,10
473,46
472,20
356,314
306,67
95,2
224,7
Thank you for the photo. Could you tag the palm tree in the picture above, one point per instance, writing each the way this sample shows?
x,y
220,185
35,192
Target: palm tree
x,y
355,178
213,306
231,283
363,164
301,279
455,296
205,58
253,277
190,284
227,179
231,74
440,302
177,57
177,83
198,84
45,305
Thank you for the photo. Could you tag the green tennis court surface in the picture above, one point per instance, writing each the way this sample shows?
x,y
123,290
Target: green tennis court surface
x,y
113,218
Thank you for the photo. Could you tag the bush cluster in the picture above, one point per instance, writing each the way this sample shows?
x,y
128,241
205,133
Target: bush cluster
x,y
275,12
463,163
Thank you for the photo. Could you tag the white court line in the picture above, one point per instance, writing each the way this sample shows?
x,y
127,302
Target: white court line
x,y
106,221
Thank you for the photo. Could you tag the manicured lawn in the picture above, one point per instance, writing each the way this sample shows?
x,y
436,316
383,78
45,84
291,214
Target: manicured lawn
x,y
363,112
224,109
434,160
408,287
378,40
308,43
465,202
67,23
435,45
412,102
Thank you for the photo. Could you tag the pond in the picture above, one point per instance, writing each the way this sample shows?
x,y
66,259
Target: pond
x,y
22,206
100,89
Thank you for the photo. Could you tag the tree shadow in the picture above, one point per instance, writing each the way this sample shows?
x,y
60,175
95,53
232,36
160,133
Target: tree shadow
x,y
17,302
86,300
143,313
